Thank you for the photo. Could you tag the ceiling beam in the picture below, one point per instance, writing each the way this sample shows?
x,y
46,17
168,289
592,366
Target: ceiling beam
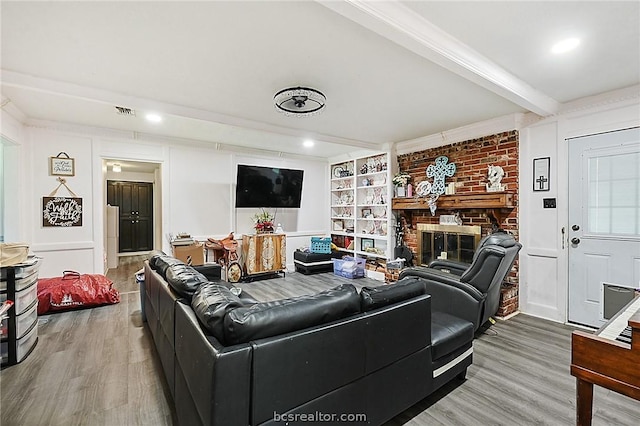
x,y
400,24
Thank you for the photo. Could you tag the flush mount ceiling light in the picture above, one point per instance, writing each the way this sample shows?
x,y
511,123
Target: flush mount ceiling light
x,y
116,168
299,101
154,118
308,143
565,45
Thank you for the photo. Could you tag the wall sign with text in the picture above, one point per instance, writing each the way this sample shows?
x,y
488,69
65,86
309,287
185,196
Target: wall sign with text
x,y
61,211
62,165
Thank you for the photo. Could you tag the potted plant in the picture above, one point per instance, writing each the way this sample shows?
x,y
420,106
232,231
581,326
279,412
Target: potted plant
x,y
401,180
263,222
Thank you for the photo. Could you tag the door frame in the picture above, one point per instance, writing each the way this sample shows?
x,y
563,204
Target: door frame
x,y
157,197
567,223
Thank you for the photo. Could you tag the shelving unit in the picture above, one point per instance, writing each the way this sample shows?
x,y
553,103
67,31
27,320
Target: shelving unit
x,y
19,331
361,217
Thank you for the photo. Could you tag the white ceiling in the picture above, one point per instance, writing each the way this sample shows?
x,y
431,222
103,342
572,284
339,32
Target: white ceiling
x,y
391,71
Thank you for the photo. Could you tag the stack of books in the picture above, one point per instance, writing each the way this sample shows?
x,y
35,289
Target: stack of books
x,y
182,240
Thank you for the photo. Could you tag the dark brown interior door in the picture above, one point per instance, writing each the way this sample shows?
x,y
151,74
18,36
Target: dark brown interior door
x,y
135,200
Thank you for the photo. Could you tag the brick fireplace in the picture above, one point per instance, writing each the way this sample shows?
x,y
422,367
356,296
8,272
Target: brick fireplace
x,y
472,159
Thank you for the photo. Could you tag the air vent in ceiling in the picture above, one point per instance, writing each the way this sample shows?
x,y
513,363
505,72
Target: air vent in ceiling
x,y
125,111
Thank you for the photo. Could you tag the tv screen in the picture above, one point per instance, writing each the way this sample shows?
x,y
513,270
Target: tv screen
x,y
268,187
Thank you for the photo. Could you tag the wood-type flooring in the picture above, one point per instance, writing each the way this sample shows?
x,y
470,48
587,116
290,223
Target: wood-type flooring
x,y
99,367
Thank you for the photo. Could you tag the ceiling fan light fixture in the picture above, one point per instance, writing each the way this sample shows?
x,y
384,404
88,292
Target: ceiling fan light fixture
x,y
299,101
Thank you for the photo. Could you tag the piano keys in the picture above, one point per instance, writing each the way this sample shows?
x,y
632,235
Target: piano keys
x,y
604,360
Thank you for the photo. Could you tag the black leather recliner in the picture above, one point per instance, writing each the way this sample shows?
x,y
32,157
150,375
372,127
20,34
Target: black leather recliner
x,y
470,291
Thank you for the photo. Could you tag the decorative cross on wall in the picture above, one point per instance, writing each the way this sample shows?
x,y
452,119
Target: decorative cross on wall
x,y
541,181
438,172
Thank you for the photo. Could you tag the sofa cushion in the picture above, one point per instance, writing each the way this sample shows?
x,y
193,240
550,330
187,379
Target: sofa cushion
x,y
184,279
213,271
377,297
211,302
283,316
448,333
161,262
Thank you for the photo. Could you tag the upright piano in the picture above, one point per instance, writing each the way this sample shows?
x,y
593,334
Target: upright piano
x,y
609,358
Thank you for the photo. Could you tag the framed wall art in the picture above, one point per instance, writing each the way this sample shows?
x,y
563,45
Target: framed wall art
x,y
62,165
367,243
541,170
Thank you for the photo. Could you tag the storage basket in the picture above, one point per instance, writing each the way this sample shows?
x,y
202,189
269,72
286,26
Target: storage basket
x,y
321,245
13,253
349,267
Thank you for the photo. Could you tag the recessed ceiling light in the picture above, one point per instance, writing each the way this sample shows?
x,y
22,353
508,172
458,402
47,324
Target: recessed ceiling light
x,y
154,118
116,168
308,143
565,45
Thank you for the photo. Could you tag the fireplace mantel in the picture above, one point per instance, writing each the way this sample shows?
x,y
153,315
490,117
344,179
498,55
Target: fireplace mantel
x,y
494,202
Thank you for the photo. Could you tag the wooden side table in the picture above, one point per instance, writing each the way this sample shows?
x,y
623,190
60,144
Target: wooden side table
x,y
264,253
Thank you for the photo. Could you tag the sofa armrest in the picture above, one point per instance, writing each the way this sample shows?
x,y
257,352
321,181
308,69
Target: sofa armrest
x,y
451,266
449,295
215,378
442,277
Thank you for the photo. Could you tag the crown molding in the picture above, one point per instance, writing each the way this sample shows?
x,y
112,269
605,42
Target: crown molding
x,y
149,138
472,131
10,108
400,24
626,95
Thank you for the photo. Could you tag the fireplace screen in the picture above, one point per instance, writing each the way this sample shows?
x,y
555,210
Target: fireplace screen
x,y
447,242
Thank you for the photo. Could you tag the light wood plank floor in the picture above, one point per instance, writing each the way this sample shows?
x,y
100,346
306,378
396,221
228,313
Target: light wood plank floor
x,y
99,367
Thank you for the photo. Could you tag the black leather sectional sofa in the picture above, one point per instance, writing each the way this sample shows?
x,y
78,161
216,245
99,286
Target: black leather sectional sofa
x,y
233,361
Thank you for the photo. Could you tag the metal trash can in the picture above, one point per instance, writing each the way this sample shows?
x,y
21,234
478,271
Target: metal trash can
x,y
140,281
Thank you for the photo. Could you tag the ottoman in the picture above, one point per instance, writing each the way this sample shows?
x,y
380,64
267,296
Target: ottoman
x,y
313,263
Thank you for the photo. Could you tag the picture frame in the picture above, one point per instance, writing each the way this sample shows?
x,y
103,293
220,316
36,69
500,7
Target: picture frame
x,y
367,243
365,213
338,225
62,166
541,174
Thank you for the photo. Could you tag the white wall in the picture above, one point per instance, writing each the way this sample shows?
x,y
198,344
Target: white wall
x,y
14,170
197,192
544,259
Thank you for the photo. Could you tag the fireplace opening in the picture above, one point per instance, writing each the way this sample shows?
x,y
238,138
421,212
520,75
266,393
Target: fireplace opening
x,y
452,242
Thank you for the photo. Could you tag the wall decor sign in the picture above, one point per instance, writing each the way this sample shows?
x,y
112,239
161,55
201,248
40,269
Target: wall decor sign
x,y
61,211
62,165
541,167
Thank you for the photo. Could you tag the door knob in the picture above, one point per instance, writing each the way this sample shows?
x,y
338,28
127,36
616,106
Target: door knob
x,y
575,227
575,240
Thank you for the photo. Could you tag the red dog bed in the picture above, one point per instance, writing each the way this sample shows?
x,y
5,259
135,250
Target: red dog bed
x,y
74,290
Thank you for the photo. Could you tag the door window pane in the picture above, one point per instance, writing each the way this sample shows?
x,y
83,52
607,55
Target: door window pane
x,y
614,194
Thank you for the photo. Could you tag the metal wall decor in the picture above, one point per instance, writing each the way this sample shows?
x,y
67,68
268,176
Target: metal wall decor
x,y
62,165
439,171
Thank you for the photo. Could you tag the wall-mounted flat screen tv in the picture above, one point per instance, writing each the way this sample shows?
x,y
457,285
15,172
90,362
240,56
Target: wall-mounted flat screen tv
x,y
258,186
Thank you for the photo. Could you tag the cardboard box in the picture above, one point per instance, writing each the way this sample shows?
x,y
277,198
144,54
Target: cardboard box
x,y
191,255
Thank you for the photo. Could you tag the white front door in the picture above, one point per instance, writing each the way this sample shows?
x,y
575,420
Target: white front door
x,y
604,219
